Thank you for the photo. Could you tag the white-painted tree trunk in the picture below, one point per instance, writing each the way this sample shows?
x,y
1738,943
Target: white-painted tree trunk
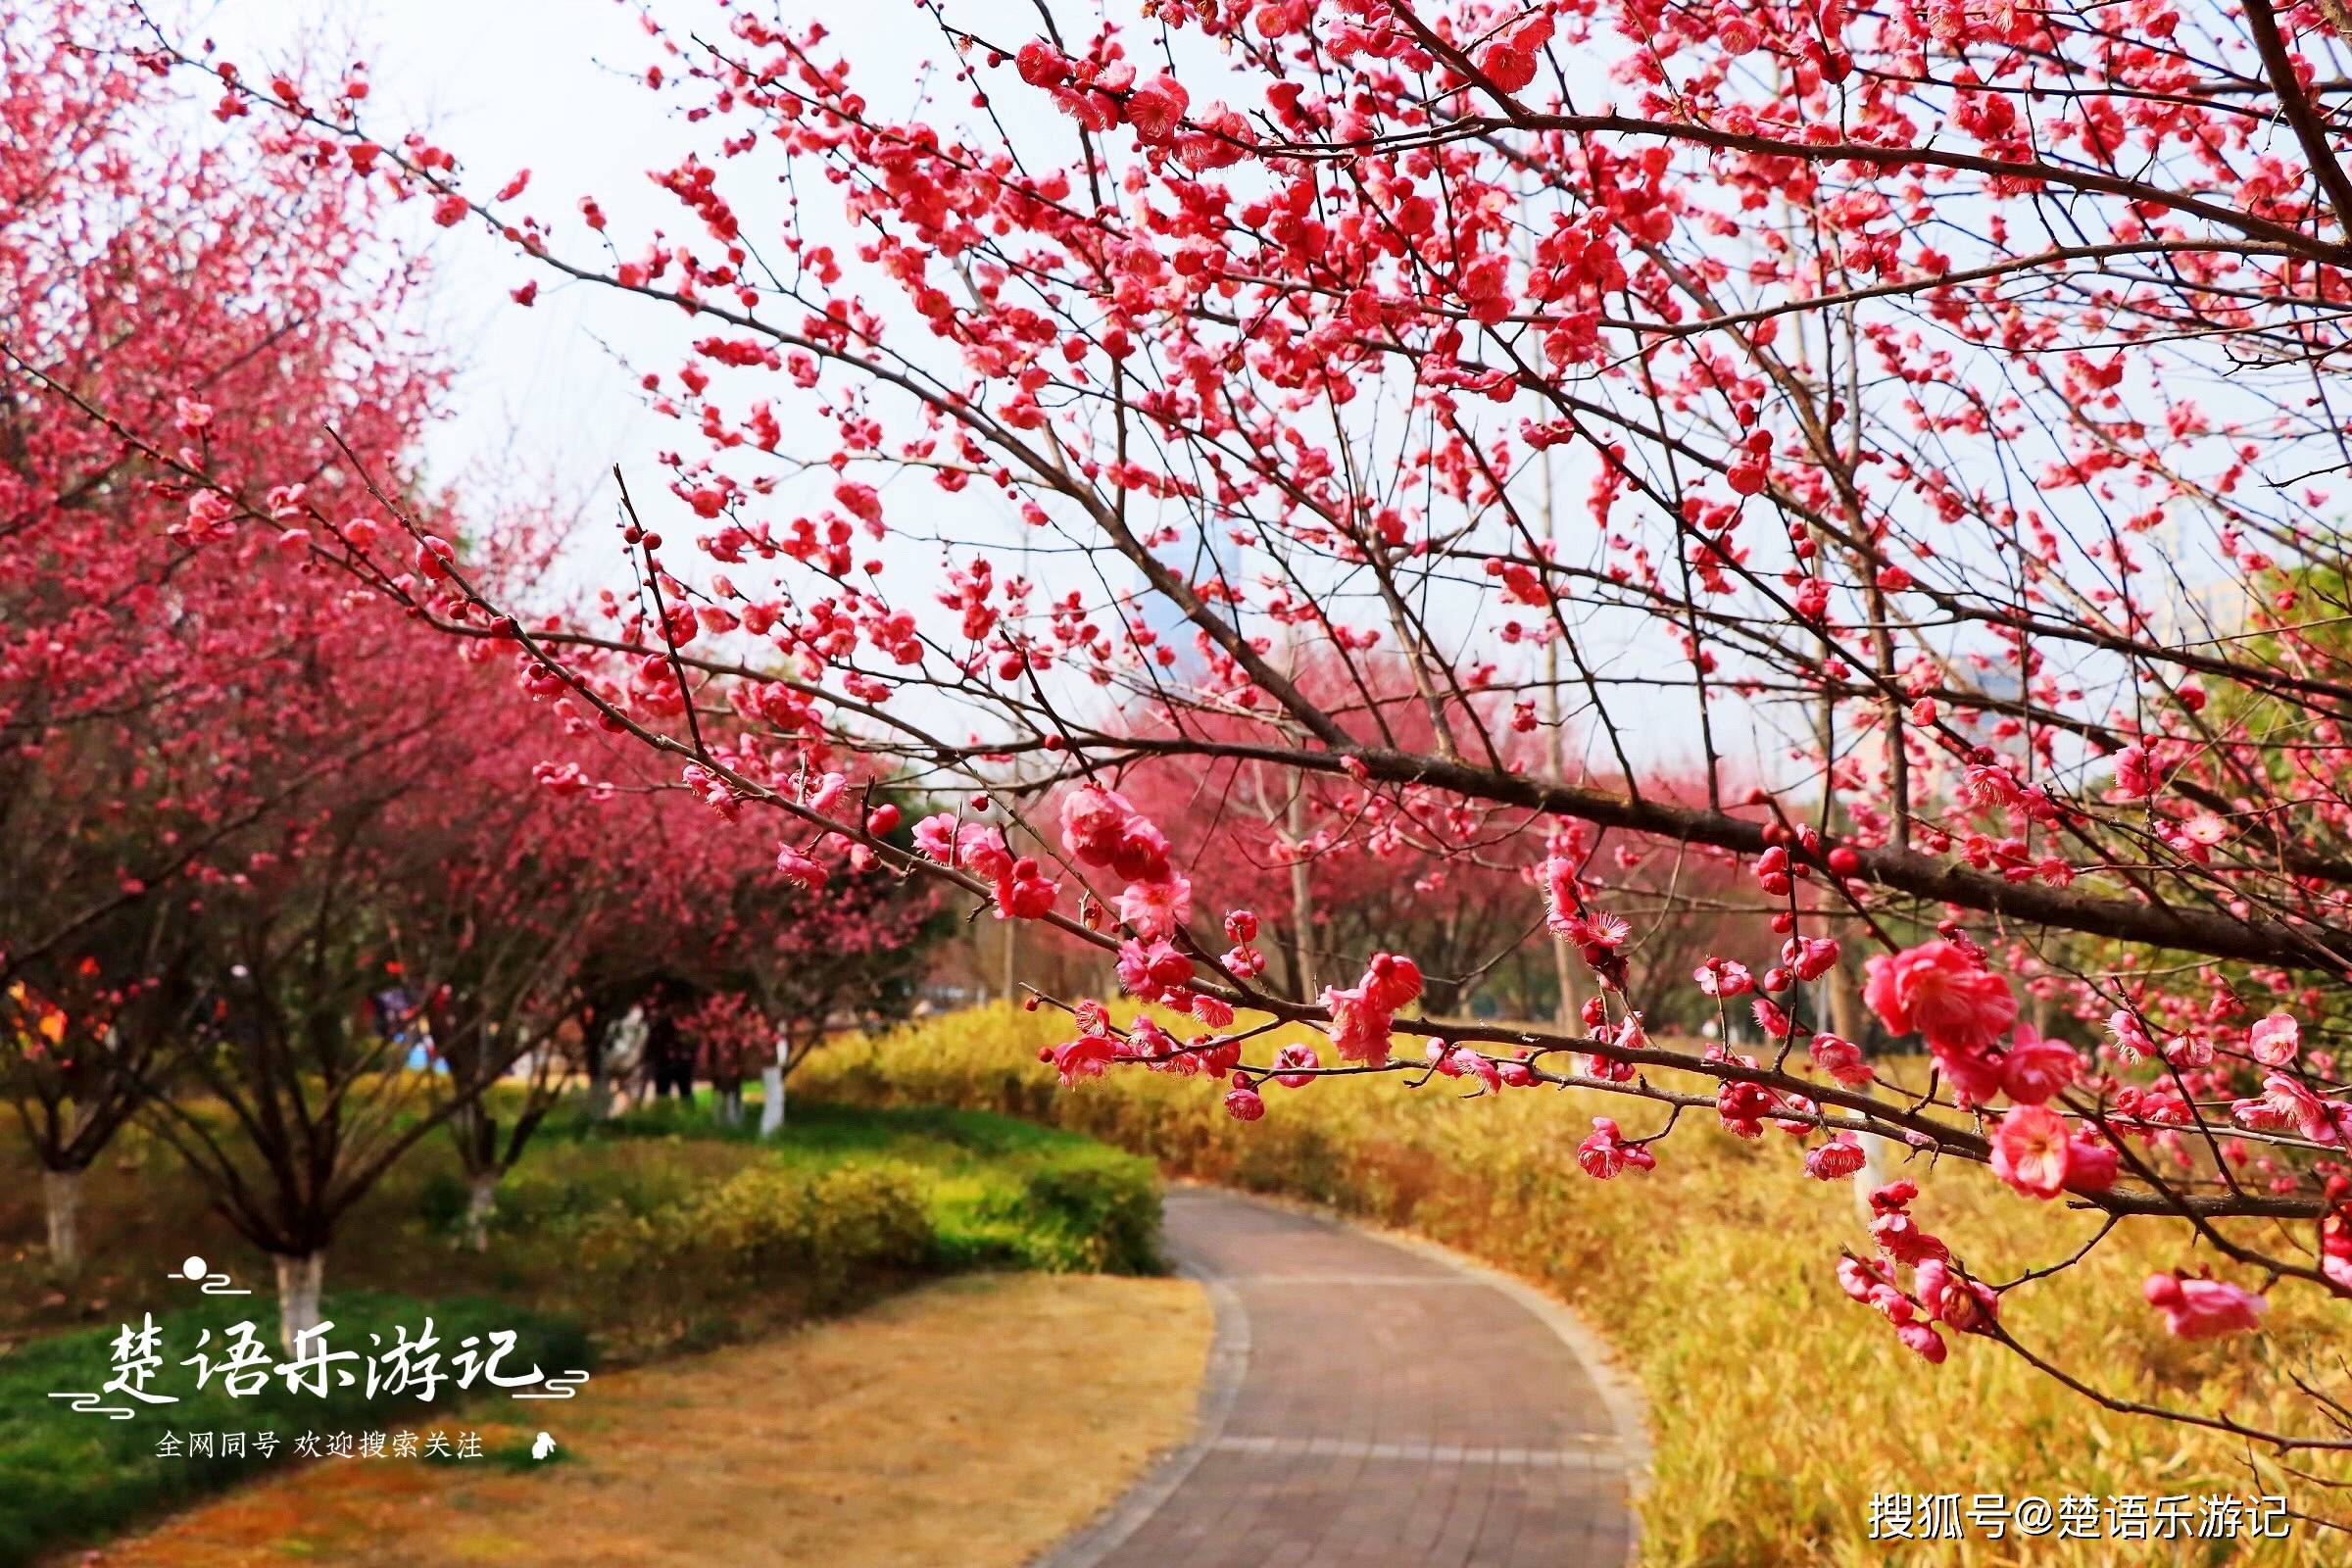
x,y
620,1069
61,1196
771,1095
299,1281
481,1202
1872,1176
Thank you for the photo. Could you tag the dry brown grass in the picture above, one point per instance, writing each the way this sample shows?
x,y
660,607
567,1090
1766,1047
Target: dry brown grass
x,y
972,1422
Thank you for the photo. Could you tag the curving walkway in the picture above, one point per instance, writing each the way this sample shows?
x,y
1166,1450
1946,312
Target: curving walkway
x,y
1374,1404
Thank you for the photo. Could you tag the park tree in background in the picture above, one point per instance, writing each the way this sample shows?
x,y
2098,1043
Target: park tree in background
x,y
1920,422
778,958
662,921
843,954
731,1037
222,300
262,837
510,888
757,963
316,991
79,1052
1334,871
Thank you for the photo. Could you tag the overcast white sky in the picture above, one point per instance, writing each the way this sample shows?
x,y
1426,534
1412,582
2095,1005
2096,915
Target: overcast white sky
x,y
547,85
553,86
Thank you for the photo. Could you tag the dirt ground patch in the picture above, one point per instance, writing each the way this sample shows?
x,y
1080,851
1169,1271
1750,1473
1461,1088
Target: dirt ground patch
x,y
973,1422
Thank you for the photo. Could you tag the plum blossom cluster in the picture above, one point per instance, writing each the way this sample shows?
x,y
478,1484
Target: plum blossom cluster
x,y
1020,888
1940,1295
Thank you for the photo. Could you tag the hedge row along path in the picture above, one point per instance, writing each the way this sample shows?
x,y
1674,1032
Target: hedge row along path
x,y
1373,1401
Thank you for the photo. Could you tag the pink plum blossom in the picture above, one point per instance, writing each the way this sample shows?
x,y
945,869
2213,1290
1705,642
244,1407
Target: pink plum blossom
x,y
1922,1340
982,851
2204,1310
2136,775
1157,908
1724,978
2091,1163
1557,874
1952,1299
1458,1062
1086,1057
2035,1068
796,866
1214,1011
1836,1160
1360,1028
1940,990
1150,970
1092,820
1841,1060
935,837
2285,1103
1605,1153
2031,1151
2131,1040
1023,892
1392,980
2274,1040
1294,1066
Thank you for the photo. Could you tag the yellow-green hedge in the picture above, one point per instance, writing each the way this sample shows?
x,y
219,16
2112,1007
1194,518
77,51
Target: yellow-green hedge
x,y
820,1239
1778,1406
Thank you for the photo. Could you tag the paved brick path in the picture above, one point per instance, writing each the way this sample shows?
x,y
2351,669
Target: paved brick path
x,y
1371,1404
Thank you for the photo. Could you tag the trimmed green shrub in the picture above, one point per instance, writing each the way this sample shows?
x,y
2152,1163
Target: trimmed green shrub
x,y
769,1228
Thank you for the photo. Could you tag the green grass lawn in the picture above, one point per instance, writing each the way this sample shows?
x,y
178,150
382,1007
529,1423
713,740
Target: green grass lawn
x,y
613,1242
999,1193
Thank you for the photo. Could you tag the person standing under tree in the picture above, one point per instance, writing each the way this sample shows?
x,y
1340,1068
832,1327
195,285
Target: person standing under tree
x,y
669,1059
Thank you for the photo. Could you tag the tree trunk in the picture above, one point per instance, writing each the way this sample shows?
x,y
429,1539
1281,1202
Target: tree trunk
x,y
1556,760
61,1196
772,1094
299,1281
1563,966
1302,900
600,1093
481,1200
